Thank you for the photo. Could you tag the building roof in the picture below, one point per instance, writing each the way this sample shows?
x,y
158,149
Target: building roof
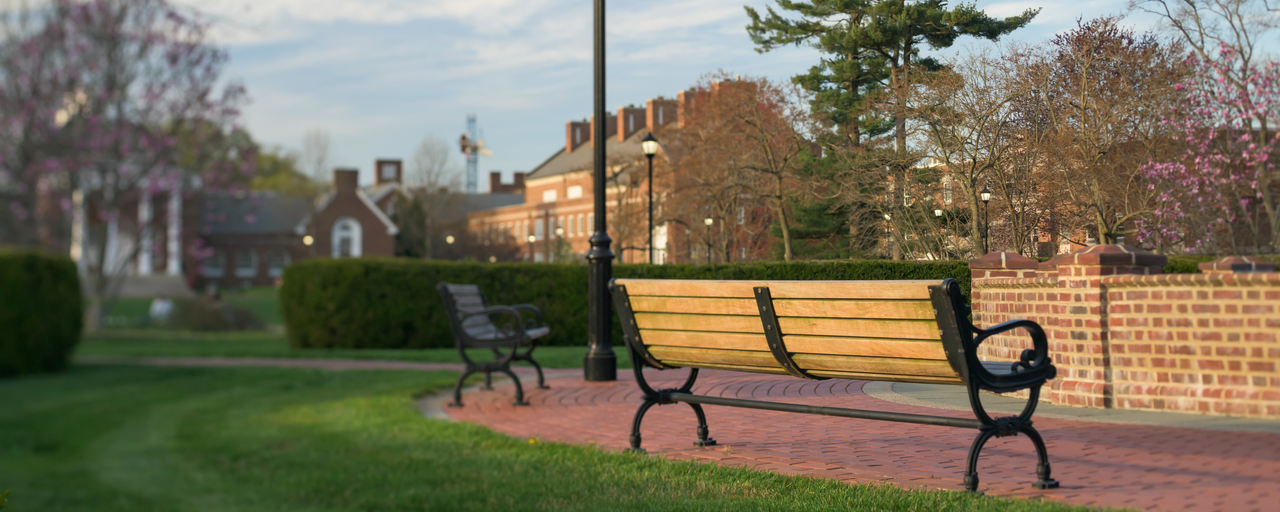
x,y
468,203
252,214
583,157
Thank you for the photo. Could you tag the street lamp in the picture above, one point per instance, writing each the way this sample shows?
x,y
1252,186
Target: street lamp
x,y
708,221
531,239
307,240
937,212
985,194
650,147
449,239
600,363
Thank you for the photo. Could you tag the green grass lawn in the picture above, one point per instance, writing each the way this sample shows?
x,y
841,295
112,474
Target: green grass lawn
x,y
161,342
140,439
264,302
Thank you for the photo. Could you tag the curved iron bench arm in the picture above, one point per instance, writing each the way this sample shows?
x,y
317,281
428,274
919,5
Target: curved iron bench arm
x,y
534,322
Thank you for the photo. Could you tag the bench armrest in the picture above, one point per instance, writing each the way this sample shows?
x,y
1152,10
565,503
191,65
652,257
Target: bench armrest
x,y
536,321
1034,364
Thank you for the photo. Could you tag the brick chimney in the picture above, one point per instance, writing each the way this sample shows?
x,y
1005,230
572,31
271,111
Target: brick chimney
x,y
685,102
346,180
610,127
387,171
576,133
496,186
659,112
495,182
630,120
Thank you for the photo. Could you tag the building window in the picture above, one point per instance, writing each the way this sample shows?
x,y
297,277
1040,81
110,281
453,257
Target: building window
x,y
591,222
246,263
742,215
548,196
212,266
276,263
388,171
537,229
660,109
631,123
560,225
946,190
574,192
537,257
346,238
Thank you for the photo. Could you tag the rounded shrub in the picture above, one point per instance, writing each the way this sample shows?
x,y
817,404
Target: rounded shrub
x,y
41,311
392,303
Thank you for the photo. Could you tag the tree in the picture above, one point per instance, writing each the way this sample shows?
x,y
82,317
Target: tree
x,y
317,155
873,44
433,167
1222,195
1103,91
278,172
136,104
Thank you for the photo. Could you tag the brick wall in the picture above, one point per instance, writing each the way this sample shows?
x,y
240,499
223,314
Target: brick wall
x,y
1122,335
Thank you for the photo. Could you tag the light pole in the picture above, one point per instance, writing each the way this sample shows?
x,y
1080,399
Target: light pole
x,y
531,240
650,146
985,193
708,221
600,363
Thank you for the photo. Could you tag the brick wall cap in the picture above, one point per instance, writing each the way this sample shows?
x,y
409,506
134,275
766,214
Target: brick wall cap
x,y
1217,279
1237,265
1052,264
1115,255
1048,283
1003,260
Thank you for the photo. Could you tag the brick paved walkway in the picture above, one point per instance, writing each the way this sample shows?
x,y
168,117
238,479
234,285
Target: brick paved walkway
x,y
1144,467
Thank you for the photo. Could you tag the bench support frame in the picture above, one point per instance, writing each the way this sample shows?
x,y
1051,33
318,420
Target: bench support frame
x,y
960,340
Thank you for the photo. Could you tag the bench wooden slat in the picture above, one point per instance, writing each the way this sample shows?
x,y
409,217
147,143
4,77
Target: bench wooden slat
x,y
869,347
691,339
735,367
918,290
890,378
884,365
703,323
718,356
910,329
904,309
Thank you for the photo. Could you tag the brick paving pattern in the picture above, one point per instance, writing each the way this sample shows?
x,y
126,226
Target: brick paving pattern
x,y
1138,466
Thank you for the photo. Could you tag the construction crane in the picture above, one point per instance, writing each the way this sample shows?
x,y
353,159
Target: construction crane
x,y
473,148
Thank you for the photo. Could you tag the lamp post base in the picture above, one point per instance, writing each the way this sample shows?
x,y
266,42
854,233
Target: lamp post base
x,y
600,367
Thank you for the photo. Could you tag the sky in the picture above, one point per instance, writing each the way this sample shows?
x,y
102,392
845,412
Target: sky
x,y
380,75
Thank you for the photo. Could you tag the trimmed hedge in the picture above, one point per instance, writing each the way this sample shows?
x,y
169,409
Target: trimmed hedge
x,y
392,303
40,311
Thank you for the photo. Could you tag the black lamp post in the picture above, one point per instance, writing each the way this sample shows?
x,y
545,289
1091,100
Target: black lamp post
x,y
600,363
708,221
531,239
650,146
985,193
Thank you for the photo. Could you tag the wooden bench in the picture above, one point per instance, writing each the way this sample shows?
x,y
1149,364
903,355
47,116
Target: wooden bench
x,y
900,331
472,322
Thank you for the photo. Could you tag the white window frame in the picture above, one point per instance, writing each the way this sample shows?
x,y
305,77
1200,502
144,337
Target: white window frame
x,y
574,192
252,269
214,271
355,234
286,258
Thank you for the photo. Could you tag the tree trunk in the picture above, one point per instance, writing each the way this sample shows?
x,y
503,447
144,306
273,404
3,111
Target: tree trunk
x,y
781,205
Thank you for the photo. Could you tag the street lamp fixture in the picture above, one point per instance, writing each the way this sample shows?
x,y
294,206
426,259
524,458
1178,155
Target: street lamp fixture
x,y
650,147
888,217
937,212
449,239
307,240
559,232
985,194
532,239
709,222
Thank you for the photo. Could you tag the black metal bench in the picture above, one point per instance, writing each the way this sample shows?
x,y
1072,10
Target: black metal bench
x,y
903,331
472,322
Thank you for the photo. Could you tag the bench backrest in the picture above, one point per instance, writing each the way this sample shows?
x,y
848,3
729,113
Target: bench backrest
x,y
874,330
464,299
